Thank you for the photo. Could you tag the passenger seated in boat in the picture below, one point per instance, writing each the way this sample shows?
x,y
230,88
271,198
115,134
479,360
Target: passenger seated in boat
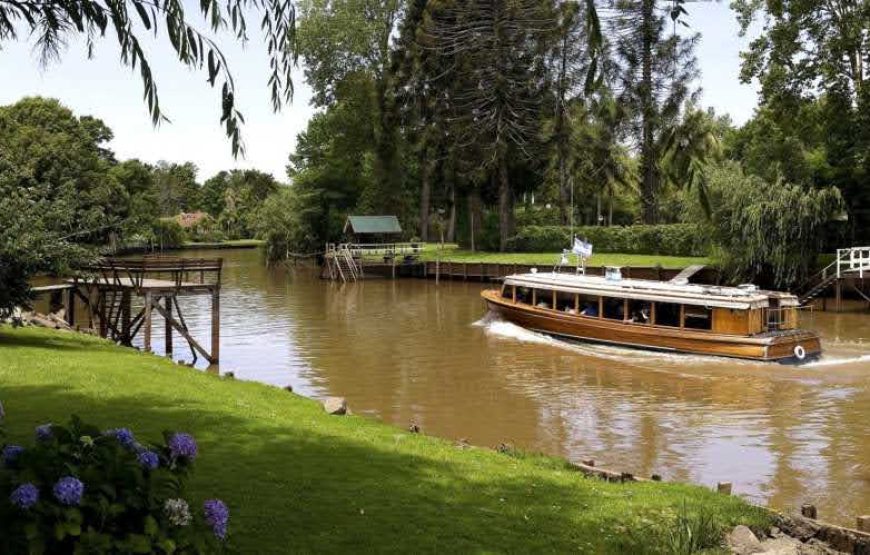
x,y
543,304
569,310
589,310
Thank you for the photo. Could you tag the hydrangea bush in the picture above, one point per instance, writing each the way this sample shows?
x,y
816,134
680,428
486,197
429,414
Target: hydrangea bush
x,y
80,489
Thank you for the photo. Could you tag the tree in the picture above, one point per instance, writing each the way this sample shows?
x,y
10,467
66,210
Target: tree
x,y
346,47
653,75
573,65
53,22
812,59
770,232
499,83
176,188
55,193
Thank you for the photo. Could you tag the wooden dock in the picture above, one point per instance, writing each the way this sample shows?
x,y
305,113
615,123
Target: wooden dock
x,y
105,291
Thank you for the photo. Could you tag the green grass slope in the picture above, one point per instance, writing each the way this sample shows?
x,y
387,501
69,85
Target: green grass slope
x,y
298,480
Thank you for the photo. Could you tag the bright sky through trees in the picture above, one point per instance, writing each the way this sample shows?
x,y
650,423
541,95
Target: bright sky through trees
x,y
103,88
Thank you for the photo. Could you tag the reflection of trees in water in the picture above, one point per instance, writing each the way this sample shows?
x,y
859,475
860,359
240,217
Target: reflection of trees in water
x,y
763,427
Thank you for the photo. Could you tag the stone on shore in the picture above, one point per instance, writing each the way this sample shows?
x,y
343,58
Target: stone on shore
x,y
742,541
335,405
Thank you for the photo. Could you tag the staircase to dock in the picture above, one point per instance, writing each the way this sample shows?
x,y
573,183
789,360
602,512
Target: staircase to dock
x,y
340,263
850,263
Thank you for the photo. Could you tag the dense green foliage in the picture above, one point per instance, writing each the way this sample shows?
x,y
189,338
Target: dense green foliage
x,y
812,127
79,489
64,197
668,240
297,479
775,232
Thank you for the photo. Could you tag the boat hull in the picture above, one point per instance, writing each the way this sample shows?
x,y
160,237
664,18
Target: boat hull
x,y
780,347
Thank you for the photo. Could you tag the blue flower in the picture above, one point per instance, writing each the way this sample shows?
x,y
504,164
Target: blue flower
x,y
43,433
124,437
25,496
69,490
148,459
11,454
217,515
182,445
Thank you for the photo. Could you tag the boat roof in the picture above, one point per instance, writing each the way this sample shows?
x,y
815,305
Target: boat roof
x,y
653,291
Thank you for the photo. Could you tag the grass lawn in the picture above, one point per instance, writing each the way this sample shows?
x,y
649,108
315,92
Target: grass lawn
x,y
452,253
298,480
231,243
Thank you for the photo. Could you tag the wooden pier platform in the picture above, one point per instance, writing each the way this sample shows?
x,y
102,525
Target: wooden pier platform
x,y
106,290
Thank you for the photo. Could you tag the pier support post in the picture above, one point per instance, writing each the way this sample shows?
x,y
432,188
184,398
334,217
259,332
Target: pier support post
x,y
125,317
71,306
215,325
838,295
167,305
147,323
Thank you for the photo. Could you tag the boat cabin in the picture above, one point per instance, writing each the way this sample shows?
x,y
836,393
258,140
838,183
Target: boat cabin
x,y
744,310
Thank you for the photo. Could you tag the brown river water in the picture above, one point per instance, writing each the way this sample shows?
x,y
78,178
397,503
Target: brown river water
x,y
409,350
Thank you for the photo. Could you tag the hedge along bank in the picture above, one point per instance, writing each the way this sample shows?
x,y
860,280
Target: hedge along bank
x,y
666,240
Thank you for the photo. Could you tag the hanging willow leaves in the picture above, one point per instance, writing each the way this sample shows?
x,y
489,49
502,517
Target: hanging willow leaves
x,y
53,22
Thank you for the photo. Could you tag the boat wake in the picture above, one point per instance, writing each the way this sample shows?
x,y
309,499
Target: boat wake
x,y
506,330
836,361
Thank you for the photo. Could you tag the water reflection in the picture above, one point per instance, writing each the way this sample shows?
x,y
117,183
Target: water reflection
x,y
410,351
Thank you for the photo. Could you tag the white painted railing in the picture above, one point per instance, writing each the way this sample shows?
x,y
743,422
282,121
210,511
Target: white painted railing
x,y
855,259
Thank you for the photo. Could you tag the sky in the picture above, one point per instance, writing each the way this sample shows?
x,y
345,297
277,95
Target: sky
x,y
102,87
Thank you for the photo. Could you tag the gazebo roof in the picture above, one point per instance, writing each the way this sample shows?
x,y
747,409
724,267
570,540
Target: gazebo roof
x,y
372,225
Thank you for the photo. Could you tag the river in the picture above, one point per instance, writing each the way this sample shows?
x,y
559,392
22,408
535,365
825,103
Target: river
x,y
410,351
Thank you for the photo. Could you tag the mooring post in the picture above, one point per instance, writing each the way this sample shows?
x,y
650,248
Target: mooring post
x,y
724,488
838,295
167,305
147,323
809,510
863,523
215,324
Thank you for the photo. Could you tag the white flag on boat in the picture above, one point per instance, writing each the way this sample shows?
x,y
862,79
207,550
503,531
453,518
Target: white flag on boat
x,y
582,248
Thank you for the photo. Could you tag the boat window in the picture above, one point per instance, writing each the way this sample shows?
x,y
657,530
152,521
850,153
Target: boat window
x,y
668,314
565,302
614,308
639,312
699,318
507,292
524,295
588,306
543,298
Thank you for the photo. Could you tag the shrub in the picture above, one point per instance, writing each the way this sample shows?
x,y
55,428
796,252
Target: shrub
x,y
667,240
206,230
82,490
165,233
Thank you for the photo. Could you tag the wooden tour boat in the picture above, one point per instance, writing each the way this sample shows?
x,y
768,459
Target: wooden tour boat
x,y
742,322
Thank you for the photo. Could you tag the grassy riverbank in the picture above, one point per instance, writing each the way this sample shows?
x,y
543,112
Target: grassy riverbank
x,y
452,253
299,480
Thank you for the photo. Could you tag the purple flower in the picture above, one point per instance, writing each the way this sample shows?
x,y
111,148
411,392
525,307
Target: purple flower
x,y
124,437
217,515
69,490
25,496
148,459
43,433
182,445
11,454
